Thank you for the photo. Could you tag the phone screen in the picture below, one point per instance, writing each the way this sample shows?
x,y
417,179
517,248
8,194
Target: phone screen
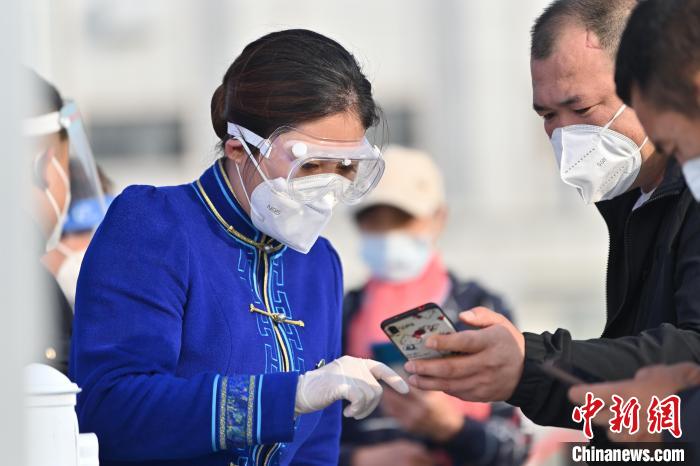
x,y
410,330
388,354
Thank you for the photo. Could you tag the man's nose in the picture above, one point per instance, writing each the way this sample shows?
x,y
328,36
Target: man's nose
x,y
561,121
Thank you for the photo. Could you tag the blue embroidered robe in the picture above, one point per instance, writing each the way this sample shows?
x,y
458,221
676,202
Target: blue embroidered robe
x,y
175,368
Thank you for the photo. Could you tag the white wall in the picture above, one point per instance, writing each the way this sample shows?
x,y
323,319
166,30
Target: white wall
x,y
17,285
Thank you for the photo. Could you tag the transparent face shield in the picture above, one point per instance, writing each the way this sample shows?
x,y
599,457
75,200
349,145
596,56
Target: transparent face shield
x,y
314,168
85,185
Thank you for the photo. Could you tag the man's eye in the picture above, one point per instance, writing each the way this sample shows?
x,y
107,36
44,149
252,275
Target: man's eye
x,y
548,116
583,111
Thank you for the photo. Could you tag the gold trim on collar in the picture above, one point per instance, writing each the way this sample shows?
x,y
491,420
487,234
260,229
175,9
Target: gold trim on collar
x,y
262,245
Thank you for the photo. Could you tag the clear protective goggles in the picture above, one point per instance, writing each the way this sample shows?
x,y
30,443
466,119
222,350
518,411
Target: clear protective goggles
x,y
313,167
84,178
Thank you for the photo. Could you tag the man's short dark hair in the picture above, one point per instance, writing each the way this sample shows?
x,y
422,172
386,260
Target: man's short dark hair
x,y
660,55
605,18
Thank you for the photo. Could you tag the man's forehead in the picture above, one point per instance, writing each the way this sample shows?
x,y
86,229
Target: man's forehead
x,y
575,67
552,79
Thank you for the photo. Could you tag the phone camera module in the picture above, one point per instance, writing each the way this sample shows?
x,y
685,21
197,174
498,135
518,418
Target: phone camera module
x,y
393,330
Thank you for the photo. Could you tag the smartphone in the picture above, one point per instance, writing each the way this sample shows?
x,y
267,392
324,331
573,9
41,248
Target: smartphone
x,y
410,330
388,354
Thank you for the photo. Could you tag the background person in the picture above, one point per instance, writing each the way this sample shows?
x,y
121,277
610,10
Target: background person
x,y
400,223
85,213
55,134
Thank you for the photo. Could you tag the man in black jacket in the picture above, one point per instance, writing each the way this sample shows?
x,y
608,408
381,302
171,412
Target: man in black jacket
x,y
658,73
653,297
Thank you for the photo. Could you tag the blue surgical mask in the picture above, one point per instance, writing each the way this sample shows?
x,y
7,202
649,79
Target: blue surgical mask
x,y
691,172
396,256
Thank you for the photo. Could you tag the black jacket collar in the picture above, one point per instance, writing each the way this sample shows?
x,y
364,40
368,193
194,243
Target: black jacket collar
x,y
616,210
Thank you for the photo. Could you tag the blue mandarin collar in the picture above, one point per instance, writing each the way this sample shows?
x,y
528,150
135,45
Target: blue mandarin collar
x,y
214,181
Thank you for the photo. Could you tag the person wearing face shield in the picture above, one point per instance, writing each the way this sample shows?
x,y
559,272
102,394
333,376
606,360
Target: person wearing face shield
x,y
84,215
53,130
602,151
657,73
400,223
208,315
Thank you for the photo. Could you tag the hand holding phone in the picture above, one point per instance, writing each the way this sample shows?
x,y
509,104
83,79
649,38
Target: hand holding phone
x,y
410,330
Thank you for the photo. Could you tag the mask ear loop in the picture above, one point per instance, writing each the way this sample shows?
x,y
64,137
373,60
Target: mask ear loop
x,y
617,114
646,139
235,133
49,195
65,250
54,204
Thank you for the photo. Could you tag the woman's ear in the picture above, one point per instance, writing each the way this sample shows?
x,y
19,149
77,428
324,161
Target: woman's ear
x,y
233,149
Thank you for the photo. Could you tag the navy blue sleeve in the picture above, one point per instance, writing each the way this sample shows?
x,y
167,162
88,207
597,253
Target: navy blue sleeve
x,y
323,446
131,297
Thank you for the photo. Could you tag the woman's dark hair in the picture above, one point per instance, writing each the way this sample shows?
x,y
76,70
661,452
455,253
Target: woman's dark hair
x,y
45,97
291,77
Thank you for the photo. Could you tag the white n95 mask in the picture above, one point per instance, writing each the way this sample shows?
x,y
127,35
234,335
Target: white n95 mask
x,y
296,224
396,257
691,173
599,162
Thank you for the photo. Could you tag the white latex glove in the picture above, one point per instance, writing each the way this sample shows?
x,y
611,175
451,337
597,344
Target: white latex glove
x,y
346,378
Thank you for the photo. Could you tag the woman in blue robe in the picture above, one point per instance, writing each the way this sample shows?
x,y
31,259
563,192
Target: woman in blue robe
x,y
207,323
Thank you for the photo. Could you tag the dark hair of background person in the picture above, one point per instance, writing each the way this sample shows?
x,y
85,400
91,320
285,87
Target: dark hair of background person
x,y
291,77
605,18
82,187
45,97
660,55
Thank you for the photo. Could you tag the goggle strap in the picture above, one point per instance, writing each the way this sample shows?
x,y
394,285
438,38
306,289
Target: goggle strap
x,y
246,135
